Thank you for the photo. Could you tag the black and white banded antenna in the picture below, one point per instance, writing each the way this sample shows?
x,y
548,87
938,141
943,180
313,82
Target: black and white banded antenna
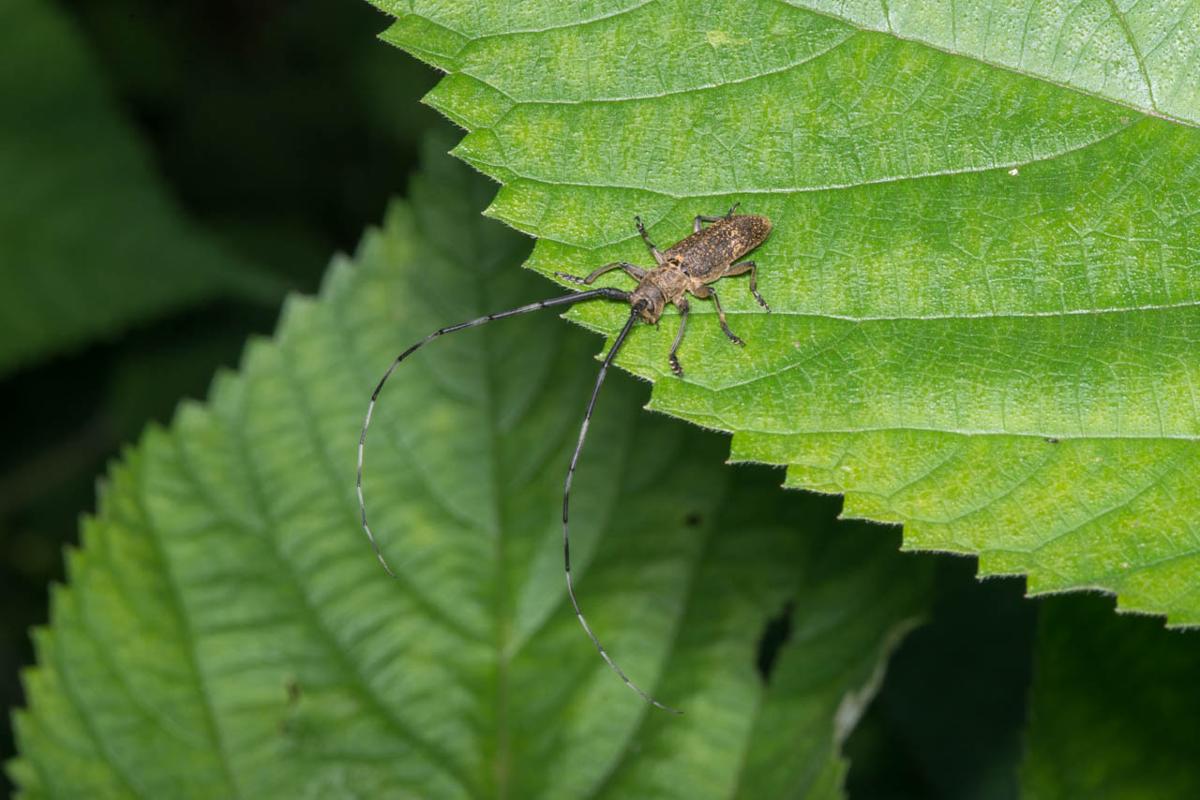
x,y
637,309
583,431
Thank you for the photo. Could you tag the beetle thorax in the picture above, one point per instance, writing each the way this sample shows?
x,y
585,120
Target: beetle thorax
x,y
667,284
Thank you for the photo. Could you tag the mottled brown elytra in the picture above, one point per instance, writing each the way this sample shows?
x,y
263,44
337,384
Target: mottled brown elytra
x,y
688,267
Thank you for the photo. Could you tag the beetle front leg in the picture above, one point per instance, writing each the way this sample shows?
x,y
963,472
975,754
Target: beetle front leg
x,y
632,270
708,293
683,307
654,251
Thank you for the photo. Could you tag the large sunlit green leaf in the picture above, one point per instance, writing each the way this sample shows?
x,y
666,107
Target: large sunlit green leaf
x,y
1142,54
90,241
984,269
1113,708
227,632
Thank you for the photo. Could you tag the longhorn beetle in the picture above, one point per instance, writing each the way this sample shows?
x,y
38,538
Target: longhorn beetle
x,y
688,267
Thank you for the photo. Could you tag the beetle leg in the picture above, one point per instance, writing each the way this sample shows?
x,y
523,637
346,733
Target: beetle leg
x,y
742,268
700,218
708,293
633,271
654,251
683,307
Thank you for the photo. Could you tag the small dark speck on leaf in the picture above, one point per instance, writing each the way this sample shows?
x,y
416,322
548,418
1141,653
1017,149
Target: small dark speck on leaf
x,y
289,723
775,635
692,519
1051,440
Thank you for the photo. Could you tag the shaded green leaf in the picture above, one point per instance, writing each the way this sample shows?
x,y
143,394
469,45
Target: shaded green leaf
x,y
983,269
949,721
227,632
1113,709
90,241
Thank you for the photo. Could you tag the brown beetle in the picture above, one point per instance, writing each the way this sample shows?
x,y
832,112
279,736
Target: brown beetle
x,y
688,267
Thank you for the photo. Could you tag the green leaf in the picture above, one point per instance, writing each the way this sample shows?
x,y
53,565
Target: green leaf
x,y
950,719
1142,56
90,241
983,268
1114,708
227,631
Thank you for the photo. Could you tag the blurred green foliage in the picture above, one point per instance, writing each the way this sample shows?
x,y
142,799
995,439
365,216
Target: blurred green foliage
x,y
1113,709
93,241
254,139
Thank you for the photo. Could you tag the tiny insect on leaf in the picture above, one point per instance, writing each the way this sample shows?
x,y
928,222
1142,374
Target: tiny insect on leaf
x,y
688,267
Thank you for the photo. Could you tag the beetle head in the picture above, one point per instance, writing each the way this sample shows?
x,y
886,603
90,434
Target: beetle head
x,y
652,300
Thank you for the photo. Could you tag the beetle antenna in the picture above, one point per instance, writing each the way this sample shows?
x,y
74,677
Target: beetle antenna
x,y
583,430
576,297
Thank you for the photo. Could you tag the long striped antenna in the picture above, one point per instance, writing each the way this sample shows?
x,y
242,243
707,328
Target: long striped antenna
x,y
583,430
577,297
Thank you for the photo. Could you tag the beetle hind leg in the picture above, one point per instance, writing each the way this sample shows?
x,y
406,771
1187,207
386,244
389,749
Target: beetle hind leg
x,y
741,269
708,293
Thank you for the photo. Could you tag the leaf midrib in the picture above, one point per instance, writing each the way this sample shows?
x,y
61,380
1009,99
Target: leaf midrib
x,y
308,611
776,313
1041,435
549,101
190,650
791,190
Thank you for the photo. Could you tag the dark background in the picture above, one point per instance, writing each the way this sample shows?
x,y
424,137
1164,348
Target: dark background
x,y
283,127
